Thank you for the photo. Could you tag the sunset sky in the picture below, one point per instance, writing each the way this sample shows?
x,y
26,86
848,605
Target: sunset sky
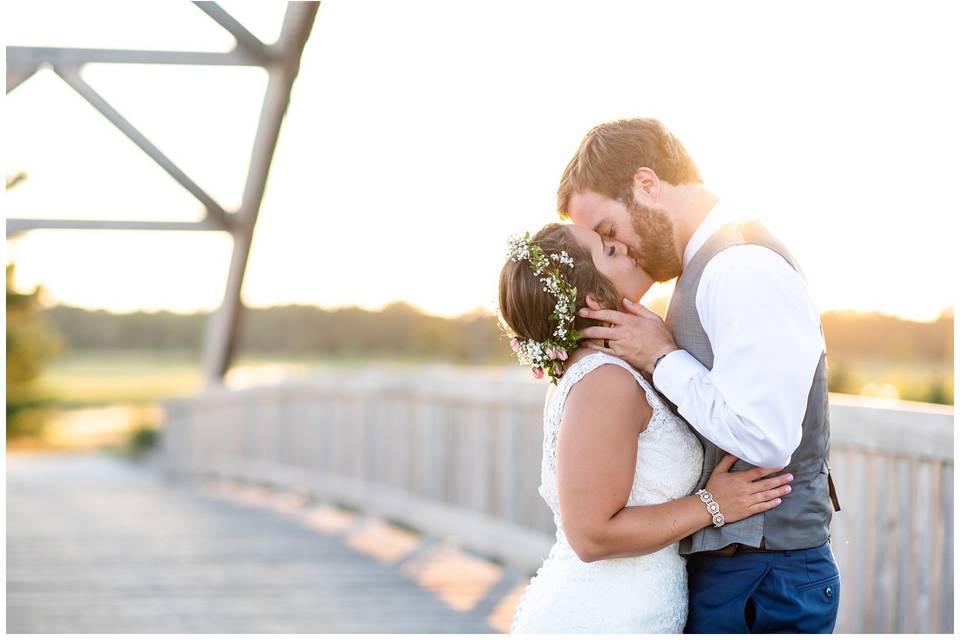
x,y
420,135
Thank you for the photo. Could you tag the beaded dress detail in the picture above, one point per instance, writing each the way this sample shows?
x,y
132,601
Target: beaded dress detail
x,y
640,594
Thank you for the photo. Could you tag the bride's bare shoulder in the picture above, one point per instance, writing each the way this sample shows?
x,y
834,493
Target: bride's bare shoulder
x,y
607,394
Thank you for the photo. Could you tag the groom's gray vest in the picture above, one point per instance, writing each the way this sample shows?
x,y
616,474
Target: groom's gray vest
x,y
802,520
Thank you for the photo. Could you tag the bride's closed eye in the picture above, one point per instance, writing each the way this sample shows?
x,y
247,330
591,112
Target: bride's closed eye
x,y
608,249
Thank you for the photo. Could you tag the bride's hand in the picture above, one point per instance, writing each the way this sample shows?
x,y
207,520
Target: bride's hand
x,y
741,494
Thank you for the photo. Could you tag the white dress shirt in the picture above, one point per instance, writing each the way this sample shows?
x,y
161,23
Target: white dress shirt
x,y
765,332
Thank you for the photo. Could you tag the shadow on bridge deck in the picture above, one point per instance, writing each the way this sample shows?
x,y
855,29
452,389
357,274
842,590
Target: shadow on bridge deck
x,y
100,544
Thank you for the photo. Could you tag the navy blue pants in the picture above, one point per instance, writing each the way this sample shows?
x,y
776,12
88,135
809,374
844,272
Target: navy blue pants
x,y
772,592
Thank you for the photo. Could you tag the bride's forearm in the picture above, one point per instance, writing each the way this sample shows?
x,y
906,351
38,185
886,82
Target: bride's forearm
x,y
640,530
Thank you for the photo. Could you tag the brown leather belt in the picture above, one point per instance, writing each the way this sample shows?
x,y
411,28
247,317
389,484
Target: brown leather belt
x,y
736,547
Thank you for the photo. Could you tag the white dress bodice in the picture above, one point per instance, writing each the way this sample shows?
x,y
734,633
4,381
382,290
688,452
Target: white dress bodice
x,y
637,594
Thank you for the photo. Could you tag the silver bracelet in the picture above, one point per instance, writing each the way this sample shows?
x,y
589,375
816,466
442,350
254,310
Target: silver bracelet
x,y
707,498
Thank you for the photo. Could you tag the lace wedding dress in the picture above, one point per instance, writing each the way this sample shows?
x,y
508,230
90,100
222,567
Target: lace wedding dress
x,y
640,594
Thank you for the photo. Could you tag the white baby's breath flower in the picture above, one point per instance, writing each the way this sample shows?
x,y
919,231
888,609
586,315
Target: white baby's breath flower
x,y
546,357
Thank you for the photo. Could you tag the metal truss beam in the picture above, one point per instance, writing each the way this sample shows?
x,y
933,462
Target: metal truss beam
x,y
281,60
214,210
223,327
31,57
246,41
16,226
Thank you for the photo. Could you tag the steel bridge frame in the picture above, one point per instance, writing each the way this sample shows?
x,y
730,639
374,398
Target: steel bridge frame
x,y
280,59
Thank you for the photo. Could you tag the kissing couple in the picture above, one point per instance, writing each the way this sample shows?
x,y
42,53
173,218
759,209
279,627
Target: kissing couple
x,y
685,460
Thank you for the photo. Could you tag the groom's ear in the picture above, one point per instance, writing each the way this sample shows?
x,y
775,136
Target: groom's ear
x,y
646,184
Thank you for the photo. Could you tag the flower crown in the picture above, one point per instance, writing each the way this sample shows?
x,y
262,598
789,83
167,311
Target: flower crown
x,y
547,356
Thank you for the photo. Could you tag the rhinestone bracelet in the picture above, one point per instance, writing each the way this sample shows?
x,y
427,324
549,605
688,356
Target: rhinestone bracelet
x,y
707,498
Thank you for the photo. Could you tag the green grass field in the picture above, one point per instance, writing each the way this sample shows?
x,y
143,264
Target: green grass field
x,y
80,379
920,381
85,378
96,378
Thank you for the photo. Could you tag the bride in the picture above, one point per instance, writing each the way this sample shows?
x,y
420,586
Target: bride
x,y
618,466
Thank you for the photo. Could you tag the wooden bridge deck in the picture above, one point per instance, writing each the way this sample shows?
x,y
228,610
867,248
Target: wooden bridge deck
x,y
98,544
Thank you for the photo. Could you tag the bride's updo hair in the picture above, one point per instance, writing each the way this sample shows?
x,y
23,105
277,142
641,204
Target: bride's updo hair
x,y
525,308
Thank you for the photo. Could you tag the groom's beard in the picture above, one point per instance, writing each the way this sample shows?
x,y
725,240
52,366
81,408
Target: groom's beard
x,y
657,253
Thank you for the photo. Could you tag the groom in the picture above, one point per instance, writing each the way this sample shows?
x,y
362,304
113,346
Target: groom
x,y
741,356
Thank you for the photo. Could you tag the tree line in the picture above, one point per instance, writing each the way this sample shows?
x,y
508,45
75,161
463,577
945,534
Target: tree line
x,y
402,331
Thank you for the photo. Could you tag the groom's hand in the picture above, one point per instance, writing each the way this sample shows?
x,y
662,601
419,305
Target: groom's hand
x,y
639,336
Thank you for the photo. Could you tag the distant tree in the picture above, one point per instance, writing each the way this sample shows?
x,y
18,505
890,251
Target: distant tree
x,y
31,343
856,342
838,378
938,394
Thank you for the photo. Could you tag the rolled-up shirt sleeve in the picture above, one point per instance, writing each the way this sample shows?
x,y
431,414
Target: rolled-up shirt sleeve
x,y
765,333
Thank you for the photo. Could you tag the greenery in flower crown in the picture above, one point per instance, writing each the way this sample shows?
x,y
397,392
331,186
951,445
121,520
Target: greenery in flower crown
x,y
549,355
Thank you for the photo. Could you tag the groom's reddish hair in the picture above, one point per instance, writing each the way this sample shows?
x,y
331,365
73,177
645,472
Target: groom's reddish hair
x,y
611,153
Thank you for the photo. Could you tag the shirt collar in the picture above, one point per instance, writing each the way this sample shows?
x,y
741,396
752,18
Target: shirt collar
x,y
718,216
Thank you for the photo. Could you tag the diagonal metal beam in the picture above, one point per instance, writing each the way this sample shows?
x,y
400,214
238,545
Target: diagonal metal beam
x,y
214,211
245,40
297,24
223,325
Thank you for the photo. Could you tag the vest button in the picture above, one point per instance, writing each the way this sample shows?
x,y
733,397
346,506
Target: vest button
x,y
828,592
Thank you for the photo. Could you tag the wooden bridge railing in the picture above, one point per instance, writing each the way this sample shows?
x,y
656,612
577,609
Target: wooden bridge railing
x,y
454,455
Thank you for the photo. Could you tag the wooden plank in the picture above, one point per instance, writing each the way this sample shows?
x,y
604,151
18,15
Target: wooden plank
x,y
399,445
388,424
913,546
368,419
434,441
320,429
454,460
936,525
303,426
483,434
946,580
530,475
887,568
869,578
420,427
357,438
904,564
309,428
512,448
858,528
407,441
341,437
922,538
